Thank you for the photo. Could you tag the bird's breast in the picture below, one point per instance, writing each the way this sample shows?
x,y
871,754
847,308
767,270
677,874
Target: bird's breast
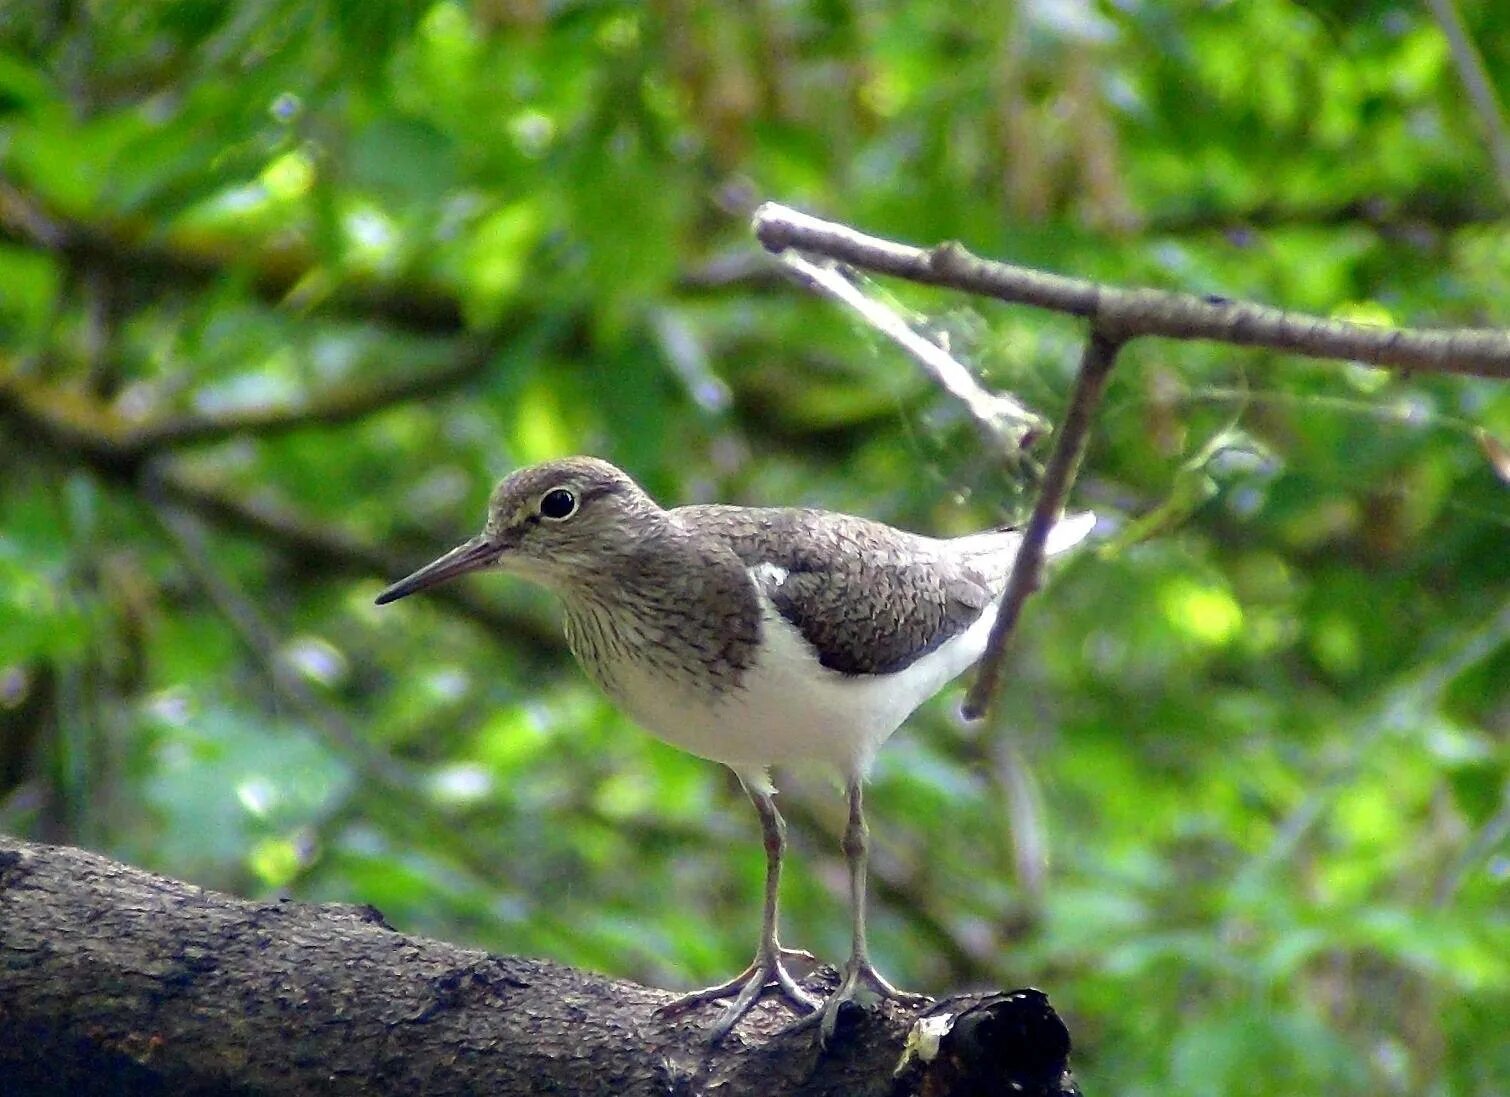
x,y
760,702
667,637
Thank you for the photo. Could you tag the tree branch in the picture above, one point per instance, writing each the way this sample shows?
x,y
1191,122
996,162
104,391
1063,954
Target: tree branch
x,y
1117,316
88,425
141,251
116,980
1126,313
1027,569
79,431
133,249
332,407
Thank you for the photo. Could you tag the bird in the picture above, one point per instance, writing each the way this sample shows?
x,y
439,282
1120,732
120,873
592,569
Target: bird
x,y
754,637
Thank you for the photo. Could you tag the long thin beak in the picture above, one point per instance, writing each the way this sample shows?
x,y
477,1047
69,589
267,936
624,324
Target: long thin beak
x,y
479,552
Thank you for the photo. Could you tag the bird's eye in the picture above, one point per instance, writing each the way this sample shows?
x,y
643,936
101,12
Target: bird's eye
x,y
558,503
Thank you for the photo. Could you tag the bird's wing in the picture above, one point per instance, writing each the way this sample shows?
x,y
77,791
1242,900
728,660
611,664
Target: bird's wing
x,y
868,598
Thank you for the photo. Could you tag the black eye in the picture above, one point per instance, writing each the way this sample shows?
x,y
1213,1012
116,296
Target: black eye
x,y
558,503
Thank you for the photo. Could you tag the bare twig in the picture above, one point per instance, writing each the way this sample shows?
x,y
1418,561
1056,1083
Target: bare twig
x,y
1006,424
1069,446
1116,315
1470,66
1126,313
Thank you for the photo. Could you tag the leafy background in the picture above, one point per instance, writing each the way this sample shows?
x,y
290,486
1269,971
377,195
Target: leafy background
x,y
285,286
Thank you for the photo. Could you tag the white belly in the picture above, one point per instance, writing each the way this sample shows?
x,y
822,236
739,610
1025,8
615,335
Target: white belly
x,y
790,709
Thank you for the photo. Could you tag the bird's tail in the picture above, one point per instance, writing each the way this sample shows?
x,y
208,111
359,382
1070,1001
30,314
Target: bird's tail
x,y
1069,531
1066,534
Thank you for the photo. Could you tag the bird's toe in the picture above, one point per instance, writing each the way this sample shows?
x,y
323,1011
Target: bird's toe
x,y
767,970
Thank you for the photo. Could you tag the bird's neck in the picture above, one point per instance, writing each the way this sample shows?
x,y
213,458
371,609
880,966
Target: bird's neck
x,y
641,559
630,586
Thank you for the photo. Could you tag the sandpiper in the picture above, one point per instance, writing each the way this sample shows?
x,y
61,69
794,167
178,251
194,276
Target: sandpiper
x,y
754,637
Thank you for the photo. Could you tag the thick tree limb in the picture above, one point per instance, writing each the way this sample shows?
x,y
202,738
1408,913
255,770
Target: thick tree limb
x,y
1127,313
114,980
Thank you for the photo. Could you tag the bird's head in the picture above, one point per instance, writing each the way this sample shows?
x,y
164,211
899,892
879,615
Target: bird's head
x,y
560,523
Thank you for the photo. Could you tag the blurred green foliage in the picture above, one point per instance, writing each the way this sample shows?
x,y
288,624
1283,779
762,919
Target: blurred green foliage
x,y
1242,812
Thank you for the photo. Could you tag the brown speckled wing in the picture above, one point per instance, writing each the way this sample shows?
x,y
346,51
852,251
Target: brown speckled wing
x,y
870,599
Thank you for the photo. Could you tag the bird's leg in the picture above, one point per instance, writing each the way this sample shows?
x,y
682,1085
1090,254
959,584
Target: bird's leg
x,y
768,967
859,971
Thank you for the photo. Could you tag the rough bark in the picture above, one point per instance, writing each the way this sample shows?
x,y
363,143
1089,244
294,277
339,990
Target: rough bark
x,y
115,980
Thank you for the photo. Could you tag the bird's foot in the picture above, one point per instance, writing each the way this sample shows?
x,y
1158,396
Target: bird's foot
x,y
859,974
767,969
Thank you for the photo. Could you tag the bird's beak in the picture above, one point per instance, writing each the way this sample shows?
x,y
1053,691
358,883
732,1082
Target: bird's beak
x,y
479,552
